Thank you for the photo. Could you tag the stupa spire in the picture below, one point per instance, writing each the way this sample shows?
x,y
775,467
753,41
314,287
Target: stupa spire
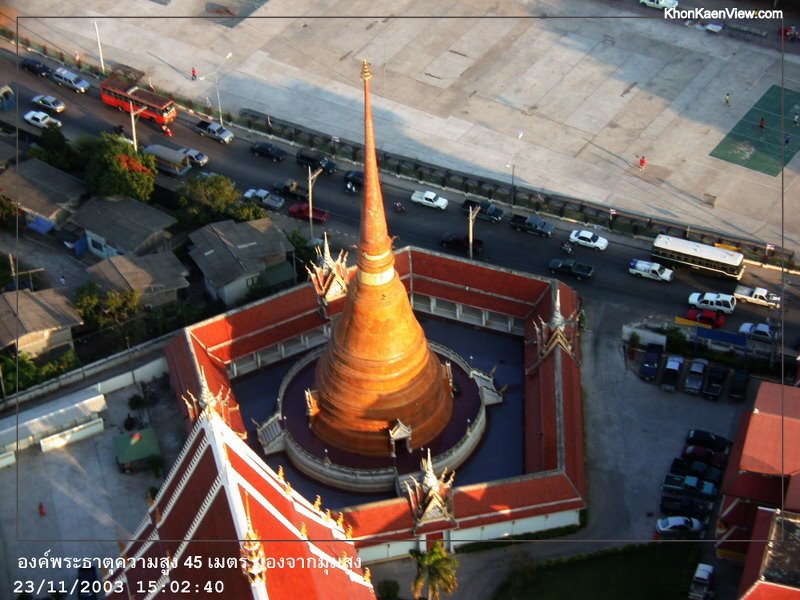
x,y
378,369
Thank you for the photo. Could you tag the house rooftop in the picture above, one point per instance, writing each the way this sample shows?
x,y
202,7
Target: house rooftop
x,y
43,189
781,562
774,422
227,250
125,223
38,311
152,273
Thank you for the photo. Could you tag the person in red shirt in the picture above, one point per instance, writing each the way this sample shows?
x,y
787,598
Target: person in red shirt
x,y
642,163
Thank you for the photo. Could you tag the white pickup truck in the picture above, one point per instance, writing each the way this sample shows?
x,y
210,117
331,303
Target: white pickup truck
x,y
431,199
757,296
701,582
649,270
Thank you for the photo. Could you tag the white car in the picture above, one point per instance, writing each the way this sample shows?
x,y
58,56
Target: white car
x,y
759,331
430,199
41,119
196,157
722,303
265,199
662,4
588,239
49,103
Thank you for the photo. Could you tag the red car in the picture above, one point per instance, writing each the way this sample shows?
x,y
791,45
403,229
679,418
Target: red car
x,y
300,211
704,455
706,317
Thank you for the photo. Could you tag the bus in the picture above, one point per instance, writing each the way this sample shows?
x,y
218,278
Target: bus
x,y
169,161
120,92
701,257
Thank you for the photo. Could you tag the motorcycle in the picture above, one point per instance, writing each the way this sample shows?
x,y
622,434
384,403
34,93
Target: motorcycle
x,y
119,130
566,248
350,188
399,208
166,131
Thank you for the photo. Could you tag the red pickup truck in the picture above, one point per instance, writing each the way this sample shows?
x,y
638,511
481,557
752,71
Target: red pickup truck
x,y
300,211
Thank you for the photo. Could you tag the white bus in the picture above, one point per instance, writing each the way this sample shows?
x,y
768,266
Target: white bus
x,y
701,257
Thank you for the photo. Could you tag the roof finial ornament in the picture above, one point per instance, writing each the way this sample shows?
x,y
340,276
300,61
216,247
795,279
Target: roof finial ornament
x,y
366,72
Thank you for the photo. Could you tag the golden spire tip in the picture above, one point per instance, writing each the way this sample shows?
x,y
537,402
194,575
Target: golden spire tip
x,y
366,73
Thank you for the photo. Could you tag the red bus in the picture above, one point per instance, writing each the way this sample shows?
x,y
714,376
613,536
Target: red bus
x,y
120,92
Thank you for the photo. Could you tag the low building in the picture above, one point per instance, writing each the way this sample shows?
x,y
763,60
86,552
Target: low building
x,y
772,568
157,278
36,322
47,196
763,469
235,257
116,225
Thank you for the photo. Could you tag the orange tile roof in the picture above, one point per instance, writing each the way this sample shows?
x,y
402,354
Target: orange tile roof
x,y
765,450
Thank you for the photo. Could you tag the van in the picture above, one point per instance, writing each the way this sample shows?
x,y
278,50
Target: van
x,y
306,158
71,80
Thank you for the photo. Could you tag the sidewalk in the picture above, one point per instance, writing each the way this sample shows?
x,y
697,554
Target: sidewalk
x,y
589,95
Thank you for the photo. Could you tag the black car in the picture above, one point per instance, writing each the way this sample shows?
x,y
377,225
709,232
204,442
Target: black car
x,y
486,210
715,382
353,182
315,160
35,67
689,507
712,441
460,242
650,362
738,388
270,151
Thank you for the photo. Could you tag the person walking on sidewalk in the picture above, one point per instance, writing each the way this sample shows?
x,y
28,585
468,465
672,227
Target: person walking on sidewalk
x,y
762,124
728,100
642,163
194,74
796,120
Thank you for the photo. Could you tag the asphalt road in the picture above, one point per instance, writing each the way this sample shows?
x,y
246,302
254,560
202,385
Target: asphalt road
x,y
420,226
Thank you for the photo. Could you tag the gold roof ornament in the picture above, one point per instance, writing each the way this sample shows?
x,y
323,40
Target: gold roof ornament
x,y
280,473
318,502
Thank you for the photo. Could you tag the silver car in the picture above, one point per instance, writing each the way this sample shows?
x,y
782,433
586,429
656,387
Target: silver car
x,y
50,103
695,376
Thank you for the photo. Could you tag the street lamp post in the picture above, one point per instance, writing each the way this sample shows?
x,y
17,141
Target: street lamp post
x,y
513,167
473,214
312,177
216,80
134,114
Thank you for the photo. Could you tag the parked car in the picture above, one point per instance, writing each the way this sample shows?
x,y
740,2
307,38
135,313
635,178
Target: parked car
x,y
41,119
353,181
264,198
651,360
688,507
717,375
712,441
672,373
679,527
300,211
761,332
195,157
695,376
738,387
36,67
49,103
270,151
460,242
681,466
588,239
704,455
706,317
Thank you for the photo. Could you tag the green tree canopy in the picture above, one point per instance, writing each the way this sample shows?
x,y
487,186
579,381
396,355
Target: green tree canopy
x,y
100,310
246,211
114,168
208,199
54,149
436,570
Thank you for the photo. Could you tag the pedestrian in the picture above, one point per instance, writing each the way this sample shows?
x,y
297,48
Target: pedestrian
x,y
77,60
786,140
642,163
63,281
762,124
796,120
727,100
42,511
194,74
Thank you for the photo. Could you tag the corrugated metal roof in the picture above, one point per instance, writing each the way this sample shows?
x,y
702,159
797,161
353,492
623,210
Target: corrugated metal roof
x,y
43,189
227,251
123,222
38,311
152,273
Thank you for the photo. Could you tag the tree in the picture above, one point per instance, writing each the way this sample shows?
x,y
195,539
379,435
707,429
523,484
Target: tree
x,y
113,168
387,589
303,252
208,199
436,569
54,149
246,211
102,310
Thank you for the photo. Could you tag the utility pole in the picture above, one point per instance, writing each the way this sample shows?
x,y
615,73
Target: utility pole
x,y
312,177
473,214
134,114
99,49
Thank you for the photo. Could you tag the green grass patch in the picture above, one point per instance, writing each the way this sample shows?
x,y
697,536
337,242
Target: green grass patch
x,y
659,571
759,149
